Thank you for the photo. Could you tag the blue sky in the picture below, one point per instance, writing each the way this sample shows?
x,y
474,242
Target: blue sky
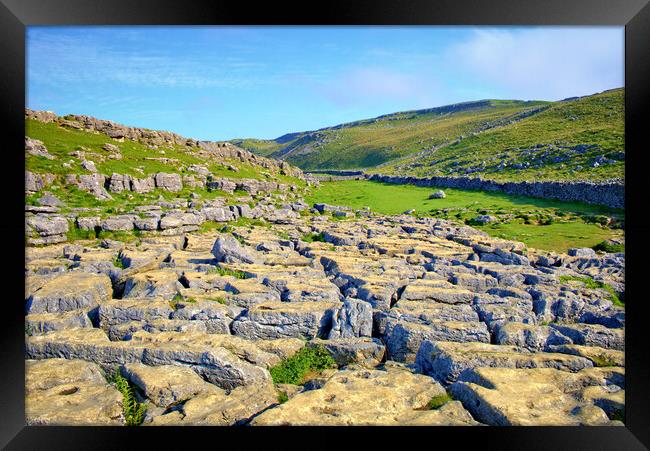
x,y
221,83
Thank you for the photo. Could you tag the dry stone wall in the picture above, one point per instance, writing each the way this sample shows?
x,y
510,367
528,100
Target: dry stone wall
x,y
610,194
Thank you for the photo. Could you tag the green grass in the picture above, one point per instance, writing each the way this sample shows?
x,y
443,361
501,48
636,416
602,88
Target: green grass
x,y
602,361
218,299
370,142
605,246
173,303
222,271
305,362
569,225
594,120
314,237
425,143
133,410
595,284
282,397
438,401
117,262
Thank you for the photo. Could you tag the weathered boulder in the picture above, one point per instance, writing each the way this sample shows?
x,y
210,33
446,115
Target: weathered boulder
x,y
216,317
440,194
118,183
162,283
227,249
582,252
393,396
88,222
593,335
353,319
446,361
69,392
46,225
176,219
37,148
528,397
403,338
168,181
72,291
40,323
345,351
124,310
143,185
529,336
166,384
35,182
217,214
285,319
117,223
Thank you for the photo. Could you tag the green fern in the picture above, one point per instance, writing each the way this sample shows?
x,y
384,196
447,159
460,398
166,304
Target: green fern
x,y
134,411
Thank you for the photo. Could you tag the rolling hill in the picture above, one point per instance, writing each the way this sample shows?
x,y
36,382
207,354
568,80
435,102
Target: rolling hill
x,y
576,138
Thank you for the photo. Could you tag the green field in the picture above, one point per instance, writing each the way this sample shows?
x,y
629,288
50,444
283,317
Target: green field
x,y
539,223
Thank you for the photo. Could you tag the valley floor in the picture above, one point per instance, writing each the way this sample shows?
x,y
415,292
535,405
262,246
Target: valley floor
x,y
539,223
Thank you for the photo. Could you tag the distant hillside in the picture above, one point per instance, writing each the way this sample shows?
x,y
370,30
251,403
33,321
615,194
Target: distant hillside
x,y
500,139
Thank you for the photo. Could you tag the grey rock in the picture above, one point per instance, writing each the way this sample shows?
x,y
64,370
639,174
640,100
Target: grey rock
x,y
119,222
169,181
227,249
353,319
446,362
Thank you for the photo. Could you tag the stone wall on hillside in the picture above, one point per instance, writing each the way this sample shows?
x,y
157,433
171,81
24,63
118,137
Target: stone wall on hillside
x,y
609,193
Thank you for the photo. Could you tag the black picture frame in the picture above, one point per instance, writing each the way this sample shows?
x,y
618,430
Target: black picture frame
x,y
15,15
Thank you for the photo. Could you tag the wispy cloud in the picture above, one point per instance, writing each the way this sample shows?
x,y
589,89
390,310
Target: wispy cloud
x,y
550,64
55,59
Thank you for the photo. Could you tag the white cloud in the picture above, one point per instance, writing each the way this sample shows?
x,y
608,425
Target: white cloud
x,y
546,63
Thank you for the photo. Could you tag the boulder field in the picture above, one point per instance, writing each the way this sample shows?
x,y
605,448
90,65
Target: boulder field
x,y
428,322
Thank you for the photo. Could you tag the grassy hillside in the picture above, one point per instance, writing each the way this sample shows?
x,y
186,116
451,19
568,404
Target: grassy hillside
x,y
539,223
578,139
581,138
69,147
371,142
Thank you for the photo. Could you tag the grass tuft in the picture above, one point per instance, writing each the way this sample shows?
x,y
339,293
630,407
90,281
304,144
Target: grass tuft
x,y
306,361
438,401
314,237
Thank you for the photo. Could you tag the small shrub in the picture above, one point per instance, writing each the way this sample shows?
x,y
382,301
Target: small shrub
x,y
74,233
282,397
175,300
117,262
602,361
608,247
314,237
306,361
133,410
438,401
